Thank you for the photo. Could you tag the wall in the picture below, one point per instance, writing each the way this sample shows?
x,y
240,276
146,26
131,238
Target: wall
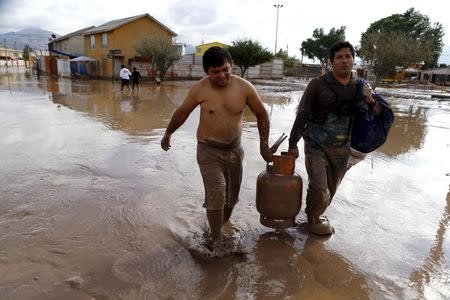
x,y
124,39
63,67
184,68
269,70
76,45
72,45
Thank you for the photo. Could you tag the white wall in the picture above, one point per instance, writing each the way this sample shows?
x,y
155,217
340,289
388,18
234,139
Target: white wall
x,y
63,67
190,66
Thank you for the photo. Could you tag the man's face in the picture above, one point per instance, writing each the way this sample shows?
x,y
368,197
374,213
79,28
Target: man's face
x,y
343,62
220,76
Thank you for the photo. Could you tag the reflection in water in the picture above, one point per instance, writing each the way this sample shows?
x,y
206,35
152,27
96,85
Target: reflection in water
x,y
279,265
435,265
135,113
287,266
408,131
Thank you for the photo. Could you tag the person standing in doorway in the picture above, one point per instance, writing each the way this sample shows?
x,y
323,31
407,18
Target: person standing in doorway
x,y
324,120
124,75
222,98
135,79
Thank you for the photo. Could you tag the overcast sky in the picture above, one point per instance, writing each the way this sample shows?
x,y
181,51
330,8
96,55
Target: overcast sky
x,y
221,20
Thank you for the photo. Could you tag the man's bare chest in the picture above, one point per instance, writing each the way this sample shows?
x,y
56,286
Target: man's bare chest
x,y
225,103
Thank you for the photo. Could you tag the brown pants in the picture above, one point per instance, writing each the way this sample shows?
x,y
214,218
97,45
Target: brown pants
x,y
221,170
326,167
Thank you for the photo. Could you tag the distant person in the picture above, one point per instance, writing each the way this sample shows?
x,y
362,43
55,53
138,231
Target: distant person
x,y
157,79
222,98
324,119
135,79
124,75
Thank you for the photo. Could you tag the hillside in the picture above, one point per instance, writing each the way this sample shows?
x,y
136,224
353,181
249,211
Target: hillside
x,y
36,37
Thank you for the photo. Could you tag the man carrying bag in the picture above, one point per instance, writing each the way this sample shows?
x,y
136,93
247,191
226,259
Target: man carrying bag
x,y
337,113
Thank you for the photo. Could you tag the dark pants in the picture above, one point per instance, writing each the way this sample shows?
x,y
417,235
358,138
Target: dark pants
x,y
124,82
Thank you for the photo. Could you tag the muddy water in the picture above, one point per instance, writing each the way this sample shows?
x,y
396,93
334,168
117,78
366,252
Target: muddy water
x,y
91,207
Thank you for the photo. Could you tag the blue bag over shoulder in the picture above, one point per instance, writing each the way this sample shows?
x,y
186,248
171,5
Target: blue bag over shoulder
x,y
369,132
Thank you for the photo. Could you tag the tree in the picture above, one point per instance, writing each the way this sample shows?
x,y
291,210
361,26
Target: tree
x,y
385,51
415,27
26,53
319,45
288,61
161,50
247,53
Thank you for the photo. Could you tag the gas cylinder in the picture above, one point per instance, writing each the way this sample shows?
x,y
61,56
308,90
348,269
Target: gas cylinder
x,y
279,192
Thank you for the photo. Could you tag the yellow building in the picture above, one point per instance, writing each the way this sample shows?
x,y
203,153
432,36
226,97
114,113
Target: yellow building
x,y
113,44
200,49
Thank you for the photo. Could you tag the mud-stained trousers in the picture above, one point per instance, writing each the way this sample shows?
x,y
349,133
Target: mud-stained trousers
x,y
221,170
326,167
327,151
222,175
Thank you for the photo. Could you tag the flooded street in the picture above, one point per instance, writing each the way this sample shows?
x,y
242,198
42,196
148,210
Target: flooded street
x,y
92,207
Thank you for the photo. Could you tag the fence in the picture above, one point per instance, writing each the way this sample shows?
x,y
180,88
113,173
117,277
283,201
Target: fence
x,y
190,67
63,67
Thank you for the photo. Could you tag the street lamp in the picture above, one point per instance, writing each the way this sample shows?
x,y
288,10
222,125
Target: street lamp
x,y
278,6
6,55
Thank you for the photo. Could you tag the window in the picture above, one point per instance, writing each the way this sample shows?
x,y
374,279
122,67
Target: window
x,y
199,50
92,41
104,40
440,78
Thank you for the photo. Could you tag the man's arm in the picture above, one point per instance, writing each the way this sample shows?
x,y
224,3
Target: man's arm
x,y
262,119
303,112
179,116
374,105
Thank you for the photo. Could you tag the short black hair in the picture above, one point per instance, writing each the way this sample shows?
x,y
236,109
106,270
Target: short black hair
x,y
215,57
122,66
338,46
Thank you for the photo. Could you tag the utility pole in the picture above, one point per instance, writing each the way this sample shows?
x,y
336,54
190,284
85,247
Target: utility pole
x,y
277,6
6,57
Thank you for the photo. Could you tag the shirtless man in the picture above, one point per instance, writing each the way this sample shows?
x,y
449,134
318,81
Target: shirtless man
x,y
222,98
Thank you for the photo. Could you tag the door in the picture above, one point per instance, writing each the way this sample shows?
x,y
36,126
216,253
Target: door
x,y
116,66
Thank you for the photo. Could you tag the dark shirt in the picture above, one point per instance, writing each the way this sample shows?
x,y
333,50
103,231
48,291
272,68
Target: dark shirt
x,y
135,76
319,98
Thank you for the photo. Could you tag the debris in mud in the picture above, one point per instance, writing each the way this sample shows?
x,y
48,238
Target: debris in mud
x,y
280,86
75,282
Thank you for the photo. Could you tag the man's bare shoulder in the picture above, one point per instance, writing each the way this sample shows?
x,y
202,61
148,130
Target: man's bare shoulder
x,y
241,82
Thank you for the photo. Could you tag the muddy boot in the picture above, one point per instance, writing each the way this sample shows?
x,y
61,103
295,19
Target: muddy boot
x,y
319,226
